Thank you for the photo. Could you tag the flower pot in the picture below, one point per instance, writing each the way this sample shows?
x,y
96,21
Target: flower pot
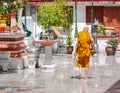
x,y
110,51
69,49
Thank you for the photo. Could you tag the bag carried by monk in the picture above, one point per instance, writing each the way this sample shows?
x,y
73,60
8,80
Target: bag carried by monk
x,y
92,49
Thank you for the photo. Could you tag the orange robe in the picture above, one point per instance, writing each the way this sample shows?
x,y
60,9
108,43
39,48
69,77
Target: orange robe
x,y
83,49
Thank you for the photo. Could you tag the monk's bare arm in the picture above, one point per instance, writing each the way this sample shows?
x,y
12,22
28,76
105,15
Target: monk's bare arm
x,y
76,45
92,41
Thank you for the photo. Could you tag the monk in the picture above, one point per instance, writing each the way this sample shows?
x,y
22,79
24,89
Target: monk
x,y
82,51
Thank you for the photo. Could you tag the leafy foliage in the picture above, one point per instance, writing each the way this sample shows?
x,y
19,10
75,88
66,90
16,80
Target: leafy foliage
x,y
113,42
8,5
101,29
69,41
56,14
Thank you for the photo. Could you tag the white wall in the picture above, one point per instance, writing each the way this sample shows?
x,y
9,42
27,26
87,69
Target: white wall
x,y
36,29
28,10
29,22
81,19
29,25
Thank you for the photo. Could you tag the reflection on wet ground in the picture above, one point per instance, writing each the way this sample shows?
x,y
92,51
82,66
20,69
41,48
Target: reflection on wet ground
x,y
103,77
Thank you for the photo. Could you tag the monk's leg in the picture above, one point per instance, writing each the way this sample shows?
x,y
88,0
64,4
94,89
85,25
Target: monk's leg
x,y
80,73
80,65
86,67
86,73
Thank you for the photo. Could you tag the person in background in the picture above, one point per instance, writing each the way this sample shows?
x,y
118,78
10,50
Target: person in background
x,y
82,51
40,38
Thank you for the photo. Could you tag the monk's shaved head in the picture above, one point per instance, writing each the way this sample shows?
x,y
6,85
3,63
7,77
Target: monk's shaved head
x,y
85,28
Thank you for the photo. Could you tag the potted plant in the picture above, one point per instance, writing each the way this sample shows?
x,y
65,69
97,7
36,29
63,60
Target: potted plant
x,y
69,42
112,44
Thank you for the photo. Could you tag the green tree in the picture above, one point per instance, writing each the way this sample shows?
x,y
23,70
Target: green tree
x,y
55,14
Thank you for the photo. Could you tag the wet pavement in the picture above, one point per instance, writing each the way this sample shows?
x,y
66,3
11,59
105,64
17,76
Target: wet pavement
x,y
104,77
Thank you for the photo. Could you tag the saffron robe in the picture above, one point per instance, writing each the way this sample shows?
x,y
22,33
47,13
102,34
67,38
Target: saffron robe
x,y
83,49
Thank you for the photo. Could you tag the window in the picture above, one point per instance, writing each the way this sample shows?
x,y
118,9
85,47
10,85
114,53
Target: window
x,y
97,14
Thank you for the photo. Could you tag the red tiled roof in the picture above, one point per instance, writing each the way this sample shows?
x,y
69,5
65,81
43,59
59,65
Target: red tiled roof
x,y
78,1
68,0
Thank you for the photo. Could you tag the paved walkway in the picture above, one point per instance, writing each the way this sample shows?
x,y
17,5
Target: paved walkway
x,y
104,77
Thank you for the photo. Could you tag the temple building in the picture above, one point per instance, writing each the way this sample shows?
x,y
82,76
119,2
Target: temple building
x,y
105,12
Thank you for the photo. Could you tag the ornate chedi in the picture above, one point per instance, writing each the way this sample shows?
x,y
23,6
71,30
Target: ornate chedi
x,y
12,46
